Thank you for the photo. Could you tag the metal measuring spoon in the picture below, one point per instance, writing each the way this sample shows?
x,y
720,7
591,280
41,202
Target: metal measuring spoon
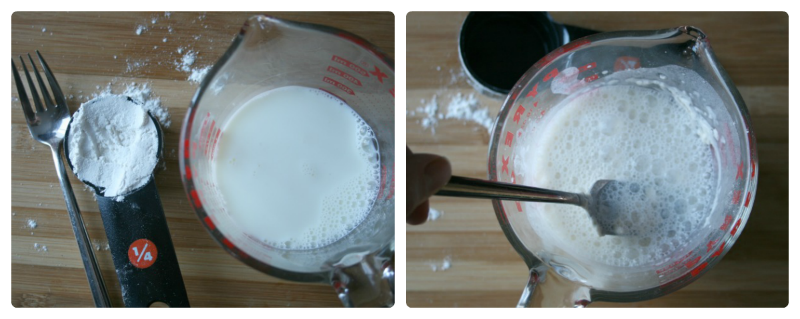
x,y
608,214
139,241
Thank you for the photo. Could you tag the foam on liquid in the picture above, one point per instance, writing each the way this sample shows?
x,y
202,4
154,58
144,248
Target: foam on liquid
x,y
629,133
297,168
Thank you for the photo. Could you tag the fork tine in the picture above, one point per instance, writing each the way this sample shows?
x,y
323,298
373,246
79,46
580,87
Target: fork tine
x,y
23,97
45,93
34,95
57,94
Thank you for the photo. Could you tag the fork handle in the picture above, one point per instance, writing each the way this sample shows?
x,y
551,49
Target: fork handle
x,y
96,284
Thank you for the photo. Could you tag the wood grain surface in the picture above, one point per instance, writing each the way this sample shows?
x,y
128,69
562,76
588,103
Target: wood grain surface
x,y
87,51
484,271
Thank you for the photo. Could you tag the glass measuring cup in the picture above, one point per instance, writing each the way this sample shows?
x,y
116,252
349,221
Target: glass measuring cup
x,y
583,65
271,53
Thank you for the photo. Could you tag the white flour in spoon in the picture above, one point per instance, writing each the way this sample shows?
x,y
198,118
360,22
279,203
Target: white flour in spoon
x,y
113,143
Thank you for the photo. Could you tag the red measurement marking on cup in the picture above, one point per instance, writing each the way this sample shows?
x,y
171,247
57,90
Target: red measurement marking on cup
x,y
186,148
504,169
552,74
195,198
338,85
380,75
227,243
383,181
626,63
710,245
740,171
209,223
736,227
747,200
214,144
188,172
509,138
344,75
533,92
737,195
518,113
718,252
391,91
752,169
589,66
591,78
700,268
142,253
726,223
692,263
674,264
350,65
208,138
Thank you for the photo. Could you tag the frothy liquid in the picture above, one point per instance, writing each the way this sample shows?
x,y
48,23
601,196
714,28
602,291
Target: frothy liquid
x,y
297,168
628,133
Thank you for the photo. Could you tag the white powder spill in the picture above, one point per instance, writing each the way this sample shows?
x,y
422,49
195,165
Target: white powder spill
x,y
140,28
134,65
100,245
44,29
185,64
198,74
431,110
434,214
32,224
143,95
468,108
112,142
443,266
40,248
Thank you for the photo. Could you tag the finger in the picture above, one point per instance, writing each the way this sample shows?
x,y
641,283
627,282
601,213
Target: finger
x,y
419,215
425,174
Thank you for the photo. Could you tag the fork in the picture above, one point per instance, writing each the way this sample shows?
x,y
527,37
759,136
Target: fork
x,y
48,126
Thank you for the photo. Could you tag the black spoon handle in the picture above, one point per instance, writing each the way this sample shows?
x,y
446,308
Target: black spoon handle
x,y
142,250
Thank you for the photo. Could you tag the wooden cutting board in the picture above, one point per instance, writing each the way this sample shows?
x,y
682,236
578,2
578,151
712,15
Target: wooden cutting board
x,y
87,51
484,271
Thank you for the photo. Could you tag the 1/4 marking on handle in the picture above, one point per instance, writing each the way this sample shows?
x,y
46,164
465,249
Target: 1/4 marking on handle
x,y
142,253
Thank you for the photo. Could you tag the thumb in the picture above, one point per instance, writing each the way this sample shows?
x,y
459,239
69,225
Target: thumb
x,y
425,174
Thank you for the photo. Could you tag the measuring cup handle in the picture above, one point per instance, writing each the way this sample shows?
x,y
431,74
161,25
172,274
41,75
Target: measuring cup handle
x,y
142,250
368,283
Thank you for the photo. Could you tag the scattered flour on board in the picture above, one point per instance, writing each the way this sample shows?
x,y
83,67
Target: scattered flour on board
x,y
40,248
434,214
185,63
466,108
32,224
198,75
445,265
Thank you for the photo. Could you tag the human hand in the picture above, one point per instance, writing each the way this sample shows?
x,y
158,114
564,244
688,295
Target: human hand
x,y
425,174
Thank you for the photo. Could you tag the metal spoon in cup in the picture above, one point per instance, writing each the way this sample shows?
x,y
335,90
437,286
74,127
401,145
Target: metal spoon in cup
x,y
602,203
